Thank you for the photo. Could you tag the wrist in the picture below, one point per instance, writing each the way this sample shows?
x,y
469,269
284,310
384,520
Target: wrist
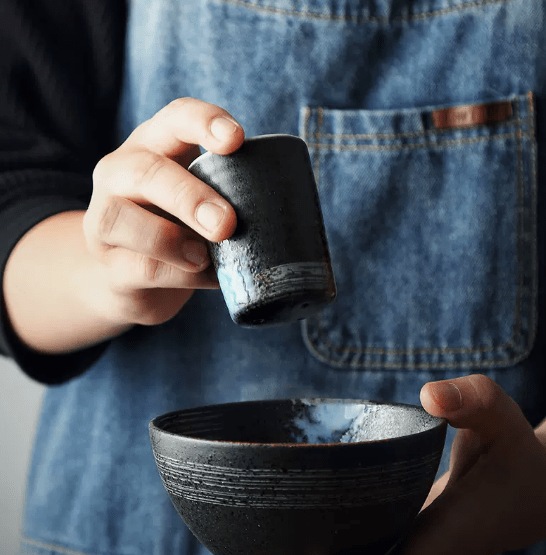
x,y
54,290
100,305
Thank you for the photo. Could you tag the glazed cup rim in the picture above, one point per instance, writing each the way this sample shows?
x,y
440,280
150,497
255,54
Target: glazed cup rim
x,y
253,139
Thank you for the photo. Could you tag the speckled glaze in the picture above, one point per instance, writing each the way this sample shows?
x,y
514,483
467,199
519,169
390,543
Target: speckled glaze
x,y
276,267
294,476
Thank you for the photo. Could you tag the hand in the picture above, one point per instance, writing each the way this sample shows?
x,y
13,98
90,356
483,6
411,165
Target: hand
x,y
494,496
148,215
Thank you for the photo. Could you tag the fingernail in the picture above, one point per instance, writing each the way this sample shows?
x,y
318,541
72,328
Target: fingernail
x,y
223,128
195,252
209,215
448,396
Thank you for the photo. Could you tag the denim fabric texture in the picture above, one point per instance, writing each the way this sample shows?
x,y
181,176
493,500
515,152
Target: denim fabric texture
x,y
447,272
433,232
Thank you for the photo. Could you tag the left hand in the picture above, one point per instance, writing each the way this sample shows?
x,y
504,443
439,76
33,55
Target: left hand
x,y
494,496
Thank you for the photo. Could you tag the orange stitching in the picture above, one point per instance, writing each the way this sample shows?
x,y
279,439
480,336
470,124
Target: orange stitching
x,y
401,365
454,142
408,352
518,324
412,134
534,246
316,165
445,11
304,15
531,112
306,119
361,19
52,547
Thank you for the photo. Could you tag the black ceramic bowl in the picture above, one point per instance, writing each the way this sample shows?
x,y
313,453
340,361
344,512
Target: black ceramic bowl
x,y
299,476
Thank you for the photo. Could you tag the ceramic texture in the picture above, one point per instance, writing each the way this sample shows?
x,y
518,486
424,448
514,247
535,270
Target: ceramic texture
x,y
298,476
276,267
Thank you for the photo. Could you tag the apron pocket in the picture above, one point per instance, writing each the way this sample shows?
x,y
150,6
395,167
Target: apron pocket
x,y
431,220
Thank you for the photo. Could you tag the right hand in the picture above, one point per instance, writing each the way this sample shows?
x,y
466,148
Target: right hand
x,y
148,216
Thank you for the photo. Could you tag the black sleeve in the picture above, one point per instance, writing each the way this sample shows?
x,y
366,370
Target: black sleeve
x,y
60,80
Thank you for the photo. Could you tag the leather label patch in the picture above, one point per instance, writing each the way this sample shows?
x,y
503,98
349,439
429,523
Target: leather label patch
x,y
471,114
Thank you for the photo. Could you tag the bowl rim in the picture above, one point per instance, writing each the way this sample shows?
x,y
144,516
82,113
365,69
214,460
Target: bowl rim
x,y
440,423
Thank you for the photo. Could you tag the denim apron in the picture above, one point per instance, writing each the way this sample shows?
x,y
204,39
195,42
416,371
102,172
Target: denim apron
x,y
421,117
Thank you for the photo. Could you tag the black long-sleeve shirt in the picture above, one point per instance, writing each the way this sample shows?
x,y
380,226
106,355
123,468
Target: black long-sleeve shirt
x,y
60,78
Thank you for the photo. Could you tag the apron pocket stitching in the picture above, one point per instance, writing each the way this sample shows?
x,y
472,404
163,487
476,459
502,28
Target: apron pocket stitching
x,y
519,349
443,144
362,19
46,546
402,365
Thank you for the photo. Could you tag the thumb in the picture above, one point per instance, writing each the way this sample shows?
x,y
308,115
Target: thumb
x,y
477,403
468,516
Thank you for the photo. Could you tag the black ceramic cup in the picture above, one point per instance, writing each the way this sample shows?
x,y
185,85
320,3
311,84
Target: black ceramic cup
x,y
276,267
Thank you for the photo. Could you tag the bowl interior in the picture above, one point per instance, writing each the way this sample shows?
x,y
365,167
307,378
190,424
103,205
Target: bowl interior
x,y
299,421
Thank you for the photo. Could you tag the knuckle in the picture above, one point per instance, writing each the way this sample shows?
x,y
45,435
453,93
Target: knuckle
x,y
161,239
179,104
487,390
145,167
103,169
153,270
154,240
149,268
172,110
109,220
155,237
181,194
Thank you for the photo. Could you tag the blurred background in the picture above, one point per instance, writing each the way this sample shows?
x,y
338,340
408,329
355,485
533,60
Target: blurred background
x,y
20,400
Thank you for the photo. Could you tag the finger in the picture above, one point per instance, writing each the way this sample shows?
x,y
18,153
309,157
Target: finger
x,y
156,306
187,156
436,489
540,432
123,223
459,521
478,403
465,452
150,307
131,271
157,180
188,121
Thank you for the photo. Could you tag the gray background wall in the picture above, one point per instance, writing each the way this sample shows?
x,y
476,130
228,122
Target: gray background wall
x,y
20,400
